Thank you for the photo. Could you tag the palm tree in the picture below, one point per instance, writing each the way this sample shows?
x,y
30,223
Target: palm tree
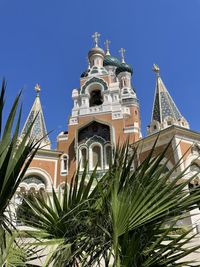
x,y
15,158
127,218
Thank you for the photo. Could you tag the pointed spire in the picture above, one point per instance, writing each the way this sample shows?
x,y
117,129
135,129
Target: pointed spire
x,y
39,127
122,52
165,111
107,43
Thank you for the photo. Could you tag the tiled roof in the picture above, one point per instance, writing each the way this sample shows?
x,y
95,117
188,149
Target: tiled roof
x,y
164,105
39,128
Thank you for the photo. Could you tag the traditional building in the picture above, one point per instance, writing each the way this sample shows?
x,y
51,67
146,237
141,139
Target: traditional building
x,y
106,112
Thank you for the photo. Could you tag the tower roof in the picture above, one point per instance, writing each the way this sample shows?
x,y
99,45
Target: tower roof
x,y
165,112
39,130
164,105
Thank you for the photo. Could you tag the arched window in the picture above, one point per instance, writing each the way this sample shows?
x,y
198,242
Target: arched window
x,y
95,98
83,157
108,155
96,156
33,183
64,164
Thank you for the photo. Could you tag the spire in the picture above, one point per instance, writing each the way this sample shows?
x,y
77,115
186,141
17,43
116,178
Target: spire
x,y
39,128
165,112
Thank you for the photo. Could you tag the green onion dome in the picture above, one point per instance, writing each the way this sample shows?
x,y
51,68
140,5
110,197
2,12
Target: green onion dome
x,y
111,61
124,67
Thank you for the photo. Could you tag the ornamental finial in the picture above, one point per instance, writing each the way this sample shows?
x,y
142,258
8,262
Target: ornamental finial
x,y
37,89
156,69
96,36
107,42
122,51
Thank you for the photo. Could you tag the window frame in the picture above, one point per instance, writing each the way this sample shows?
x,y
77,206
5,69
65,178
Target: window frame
x,y
64,171
91,166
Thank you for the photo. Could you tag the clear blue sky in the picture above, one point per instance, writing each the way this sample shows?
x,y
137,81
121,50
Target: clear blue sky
x,y
46,42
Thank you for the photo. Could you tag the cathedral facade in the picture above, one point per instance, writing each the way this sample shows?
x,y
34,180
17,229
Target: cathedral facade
x,y
105,113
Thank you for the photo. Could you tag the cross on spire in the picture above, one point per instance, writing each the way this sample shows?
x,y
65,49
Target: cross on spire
x,y
122,51
107,42
96,36
156,69
37,89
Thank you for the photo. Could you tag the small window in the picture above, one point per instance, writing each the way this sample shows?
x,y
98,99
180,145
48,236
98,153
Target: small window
x,y
83,158
108,156
155,127
64,164
96,156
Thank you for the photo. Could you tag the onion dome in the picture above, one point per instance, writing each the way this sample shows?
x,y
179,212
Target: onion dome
x,y
123,67
111,61
96,50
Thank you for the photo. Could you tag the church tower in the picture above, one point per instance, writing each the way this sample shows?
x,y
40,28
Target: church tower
x,y
38,131
105,112
165,112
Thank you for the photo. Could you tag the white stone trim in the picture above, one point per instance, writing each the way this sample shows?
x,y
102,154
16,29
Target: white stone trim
x,y
91,155
41,173
79,161
106,164
131,129
177,153
64,172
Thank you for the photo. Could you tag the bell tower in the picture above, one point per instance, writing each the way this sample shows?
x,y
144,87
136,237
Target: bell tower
x,y
105,111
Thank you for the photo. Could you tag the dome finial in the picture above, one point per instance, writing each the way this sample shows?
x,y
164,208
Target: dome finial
x,y
122,51
156,69
37,89
107,42
96,36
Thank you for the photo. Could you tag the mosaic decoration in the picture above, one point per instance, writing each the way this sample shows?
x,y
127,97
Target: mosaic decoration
x,y
94,80
164,105
33,180
38,130
94,129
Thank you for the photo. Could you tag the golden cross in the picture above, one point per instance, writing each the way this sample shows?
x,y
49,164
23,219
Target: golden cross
x,y
156,69
122,51
107,42
37,88
96,36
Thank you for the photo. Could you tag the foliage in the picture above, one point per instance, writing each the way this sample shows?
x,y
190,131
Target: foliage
x,y
15,158
120,219
17,252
